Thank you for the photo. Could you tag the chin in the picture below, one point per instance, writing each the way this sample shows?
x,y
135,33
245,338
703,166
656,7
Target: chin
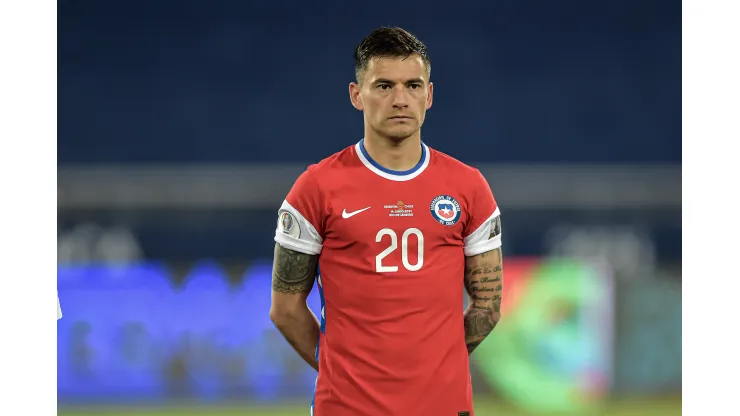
x,y
399,135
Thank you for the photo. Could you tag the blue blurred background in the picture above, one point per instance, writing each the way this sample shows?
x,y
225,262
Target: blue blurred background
x,y
183,124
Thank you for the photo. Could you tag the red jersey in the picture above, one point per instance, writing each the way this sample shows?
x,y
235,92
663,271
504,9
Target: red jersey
x,y
392,249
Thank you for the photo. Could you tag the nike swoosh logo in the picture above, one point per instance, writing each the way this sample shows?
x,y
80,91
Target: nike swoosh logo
x,y
346,214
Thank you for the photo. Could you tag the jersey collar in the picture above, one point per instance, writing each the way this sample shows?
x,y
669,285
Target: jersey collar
x,y
393,175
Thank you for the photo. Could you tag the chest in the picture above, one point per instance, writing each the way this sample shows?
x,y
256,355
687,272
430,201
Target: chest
x,y
406,215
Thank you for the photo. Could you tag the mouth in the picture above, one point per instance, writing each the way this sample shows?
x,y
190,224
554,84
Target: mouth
x,y
400,118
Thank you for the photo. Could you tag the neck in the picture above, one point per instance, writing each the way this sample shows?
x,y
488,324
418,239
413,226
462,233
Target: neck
x,y
394,155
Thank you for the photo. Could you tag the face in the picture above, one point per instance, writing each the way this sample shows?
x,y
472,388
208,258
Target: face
x,y
394,94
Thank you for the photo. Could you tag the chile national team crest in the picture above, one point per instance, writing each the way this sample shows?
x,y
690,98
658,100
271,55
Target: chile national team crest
x,y
445,209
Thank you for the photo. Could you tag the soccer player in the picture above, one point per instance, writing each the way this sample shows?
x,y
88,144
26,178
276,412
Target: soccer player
x,y
396,230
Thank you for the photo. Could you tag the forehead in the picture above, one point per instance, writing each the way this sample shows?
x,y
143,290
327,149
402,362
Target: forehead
x,y
396,68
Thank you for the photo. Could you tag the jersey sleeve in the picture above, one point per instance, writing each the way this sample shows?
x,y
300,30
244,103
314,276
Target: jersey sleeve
x,y
301,218
59,309
483,229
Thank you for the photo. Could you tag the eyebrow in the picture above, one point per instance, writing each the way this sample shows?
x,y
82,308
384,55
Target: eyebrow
x,y
387,81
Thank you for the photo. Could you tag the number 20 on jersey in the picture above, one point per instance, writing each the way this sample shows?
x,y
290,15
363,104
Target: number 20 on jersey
x,y
383,236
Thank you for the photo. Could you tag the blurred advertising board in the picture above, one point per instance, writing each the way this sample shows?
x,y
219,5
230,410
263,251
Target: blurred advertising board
x,y
129,334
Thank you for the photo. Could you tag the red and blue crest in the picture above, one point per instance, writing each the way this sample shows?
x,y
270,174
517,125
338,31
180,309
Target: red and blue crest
x,y
446,210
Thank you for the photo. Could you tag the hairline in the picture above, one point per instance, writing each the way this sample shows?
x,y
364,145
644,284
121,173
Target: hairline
x,y
361,71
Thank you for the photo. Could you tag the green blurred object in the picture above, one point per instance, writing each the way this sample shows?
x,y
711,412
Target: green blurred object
x,y
548,353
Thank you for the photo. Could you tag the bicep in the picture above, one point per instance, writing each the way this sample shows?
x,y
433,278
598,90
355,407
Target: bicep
x,y
293,275
484,277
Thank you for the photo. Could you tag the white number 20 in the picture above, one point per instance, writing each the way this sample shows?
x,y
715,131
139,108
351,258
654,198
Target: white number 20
x,y
380,268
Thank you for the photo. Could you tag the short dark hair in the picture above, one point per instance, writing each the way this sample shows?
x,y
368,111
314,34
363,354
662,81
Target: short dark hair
x,y
388,41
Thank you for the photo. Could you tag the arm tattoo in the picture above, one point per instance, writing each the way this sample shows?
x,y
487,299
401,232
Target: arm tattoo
x,y
293,272
483,282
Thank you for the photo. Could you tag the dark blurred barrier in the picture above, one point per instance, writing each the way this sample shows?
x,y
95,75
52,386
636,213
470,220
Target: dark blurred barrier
x,y
131,333
185,212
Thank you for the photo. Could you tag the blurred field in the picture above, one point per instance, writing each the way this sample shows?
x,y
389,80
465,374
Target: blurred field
x,y
653,407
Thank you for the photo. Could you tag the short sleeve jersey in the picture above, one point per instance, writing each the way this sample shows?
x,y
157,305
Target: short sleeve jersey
x,y
391,249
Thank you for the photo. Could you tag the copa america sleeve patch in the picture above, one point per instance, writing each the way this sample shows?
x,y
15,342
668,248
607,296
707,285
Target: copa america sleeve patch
x,y
295,232
288,224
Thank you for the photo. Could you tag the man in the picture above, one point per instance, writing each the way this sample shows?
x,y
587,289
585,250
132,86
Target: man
x,y
396,230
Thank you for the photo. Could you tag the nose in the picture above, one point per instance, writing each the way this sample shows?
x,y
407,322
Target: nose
x,y
400,97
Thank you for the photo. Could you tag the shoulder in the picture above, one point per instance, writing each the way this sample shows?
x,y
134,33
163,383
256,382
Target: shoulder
x,y
328,166
451,166
318,179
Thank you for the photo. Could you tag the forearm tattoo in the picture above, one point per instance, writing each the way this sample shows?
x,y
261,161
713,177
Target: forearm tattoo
x,y
484,284
293,272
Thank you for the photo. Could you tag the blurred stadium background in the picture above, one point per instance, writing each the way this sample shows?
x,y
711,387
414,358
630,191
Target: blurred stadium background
x,y
182,125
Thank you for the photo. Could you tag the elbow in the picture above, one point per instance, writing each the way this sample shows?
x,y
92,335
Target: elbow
x,y
281,316
277,316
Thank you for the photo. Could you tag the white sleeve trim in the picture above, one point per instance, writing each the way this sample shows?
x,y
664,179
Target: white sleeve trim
x,y
295,232
301,246
483,247
479,241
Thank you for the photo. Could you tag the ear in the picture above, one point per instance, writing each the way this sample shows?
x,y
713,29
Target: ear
x,y
354,96
430,96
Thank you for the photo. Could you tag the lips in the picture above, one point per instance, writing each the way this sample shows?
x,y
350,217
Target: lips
x,y
400,118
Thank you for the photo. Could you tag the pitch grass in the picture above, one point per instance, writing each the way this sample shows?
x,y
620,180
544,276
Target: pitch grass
x,y
636,407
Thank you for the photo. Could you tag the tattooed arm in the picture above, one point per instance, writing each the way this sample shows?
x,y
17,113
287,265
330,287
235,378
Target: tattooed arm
x,y
484,283
293,274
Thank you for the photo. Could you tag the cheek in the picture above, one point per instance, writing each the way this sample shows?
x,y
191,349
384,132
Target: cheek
x,y
423,98
374,108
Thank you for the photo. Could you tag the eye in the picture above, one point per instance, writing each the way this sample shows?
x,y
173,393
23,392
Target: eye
x,y
415,86
384,87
